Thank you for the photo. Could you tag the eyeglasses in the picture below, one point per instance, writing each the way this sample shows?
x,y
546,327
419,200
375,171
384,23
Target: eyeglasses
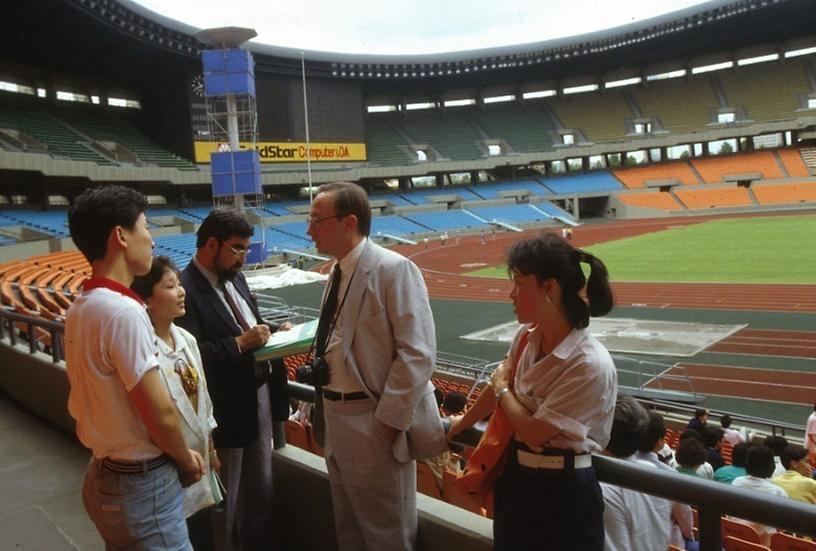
x,y
236,251
312,221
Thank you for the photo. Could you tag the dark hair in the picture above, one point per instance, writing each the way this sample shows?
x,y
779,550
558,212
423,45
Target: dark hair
x,y
776,443
759,461
725,421
792,452
143,285
439,396
712,435
690,453
455,402
655,431
96,211
738,454
223,223
350,199
549,256
629,425
700,412
691,433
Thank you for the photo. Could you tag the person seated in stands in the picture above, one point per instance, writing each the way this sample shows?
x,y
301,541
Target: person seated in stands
x,y
728,473
632,520
777,444
702,469
712,439
699,420
653,441
439,396
759,463
731,436
690,456
798,480
454,403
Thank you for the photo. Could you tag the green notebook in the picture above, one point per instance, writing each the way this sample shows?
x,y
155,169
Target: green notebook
x,y
286,343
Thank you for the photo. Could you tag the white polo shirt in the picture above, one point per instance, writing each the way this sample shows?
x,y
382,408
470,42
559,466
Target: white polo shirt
x,y
109,346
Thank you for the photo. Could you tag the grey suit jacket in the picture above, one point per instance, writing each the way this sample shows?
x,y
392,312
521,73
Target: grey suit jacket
x,y
389,344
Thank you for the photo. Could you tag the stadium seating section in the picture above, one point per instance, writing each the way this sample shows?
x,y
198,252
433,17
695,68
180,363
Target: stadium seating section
x,y
715,169
81,132
714,198
636,177
652,199
601,118
680,106
777,96
772,194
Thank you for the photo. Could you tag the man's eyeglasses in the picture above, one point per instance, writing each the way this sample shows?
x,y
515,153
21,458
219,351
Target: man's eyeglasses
x,y
236,251
312,221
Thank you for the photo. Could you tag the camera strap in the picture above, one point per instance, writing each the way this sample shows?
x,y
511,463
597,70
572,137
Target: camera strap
x,y
333,322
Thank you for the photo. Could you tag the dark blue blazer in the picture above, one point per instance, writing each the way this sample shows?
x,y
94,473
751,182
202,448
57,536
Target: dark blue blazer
x,y
230,374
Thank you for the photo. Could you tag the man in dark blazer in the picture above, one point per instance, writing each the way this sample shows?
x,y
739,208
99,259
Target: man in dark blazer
x,y
223,315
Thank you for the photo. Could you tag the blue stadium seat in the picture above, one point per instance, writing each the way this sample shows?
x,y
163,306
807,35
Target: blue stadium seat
x,y
595,182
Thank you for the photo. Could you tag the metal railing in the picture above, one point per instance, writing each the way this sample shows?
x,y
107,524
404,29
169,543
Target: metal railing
x,y
711,499
56,330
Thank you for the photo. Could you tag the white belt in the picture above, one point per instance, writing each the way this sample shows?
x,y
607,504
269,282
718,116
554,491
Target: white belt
x,y
555,462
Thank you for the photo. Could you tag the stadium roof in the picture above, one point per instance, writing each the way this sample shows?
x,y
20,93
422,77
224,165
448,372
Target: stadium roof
x,y
714,26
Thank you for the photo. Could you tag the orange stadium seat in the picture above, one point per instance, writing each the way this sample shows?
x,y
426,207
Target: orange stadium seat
x,y
740,530
731,543
714,198
297,435
768,194
714,169
652,199
426,481
786,542
636,177
792,159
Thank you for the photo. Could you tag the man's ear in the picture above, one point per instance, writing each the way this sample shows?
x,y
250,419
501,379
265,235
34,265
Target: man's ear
x,y
351,222
117,237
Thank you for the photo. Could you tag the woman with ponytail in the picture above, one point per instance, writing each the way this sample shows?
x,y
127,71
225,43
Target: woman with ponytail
x,y
557,387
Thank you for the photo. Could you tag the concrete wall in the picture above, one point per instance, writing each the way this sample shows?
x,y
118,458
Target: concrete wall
x,y
303,507
302,497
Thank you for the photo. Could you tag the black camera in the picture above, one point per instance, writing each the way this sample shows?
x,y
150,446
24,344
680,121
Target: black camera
x,y
315,373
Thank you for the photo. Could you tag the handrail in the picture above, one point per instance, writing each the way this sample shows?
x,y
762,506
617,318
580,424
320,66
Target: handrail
x,y
712,499
8,317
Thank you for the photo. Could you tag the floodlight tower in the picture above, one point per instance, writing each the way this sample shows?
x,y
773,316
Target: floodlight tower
x,y
232,115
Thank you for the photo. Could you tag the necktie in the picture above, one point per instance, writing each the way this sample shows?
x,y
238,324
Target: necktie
x,y
234,308
327,313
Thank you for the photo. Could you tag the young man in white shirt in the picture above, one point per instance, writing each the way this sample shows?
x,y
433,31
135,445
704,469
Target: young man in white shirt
x,y
124,413
633,521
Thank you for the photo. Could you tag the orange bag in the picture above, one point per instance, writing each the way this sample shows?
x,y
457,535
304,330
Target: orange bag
x,y
487,461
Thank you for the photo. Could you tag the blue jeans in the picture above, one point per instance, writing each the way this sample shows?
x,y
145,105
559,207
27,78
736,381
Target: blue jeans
x,y
140,511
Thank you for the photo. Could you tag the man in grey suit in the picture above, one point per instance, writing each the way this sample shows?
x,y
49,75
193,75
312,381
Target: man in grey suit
x,y
378,403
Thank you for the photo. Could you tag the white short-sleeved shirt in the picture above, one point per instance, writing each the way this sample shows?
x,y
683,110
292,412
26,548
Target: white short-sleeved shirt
x,y
634,521
573,388
109,346
810,430
765,486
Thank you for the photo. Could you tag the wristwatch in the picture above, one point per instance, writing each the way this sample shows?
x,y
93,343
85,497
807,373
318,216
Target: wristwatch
x,y
501,392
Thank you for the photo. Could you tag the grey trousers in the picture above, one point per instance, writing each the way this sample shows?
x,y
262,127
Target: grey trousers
x,y
374,495
246,523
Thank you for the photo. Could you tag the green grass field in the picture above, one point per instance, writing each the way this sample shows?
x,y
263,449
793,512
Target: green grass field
x,y
774,249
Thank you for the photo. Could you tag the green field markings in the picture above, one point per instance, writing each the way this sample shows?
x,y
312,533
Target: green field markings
x,y
770,249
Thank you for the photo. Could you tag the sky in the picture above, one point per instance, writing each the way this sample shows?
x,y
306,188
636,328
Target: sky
x,y
411,26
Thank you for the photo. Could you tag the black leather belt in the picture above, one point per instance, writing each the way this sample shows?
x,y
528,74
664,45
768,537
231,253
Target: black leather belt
x,y
341,397
130,467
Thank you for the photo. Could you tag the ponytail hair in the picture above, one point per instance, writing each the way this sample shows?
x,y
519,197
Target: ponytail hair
x,y
549,256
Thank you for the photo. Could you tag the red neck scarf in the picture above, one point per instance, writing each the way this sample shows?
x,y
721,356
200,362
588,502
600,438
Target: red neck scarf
x,y
106,283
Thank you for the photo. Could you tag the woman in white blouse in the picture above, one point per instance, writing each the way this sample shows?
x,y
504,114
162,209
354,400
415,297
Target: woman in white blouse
x,y
560,400
180,365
